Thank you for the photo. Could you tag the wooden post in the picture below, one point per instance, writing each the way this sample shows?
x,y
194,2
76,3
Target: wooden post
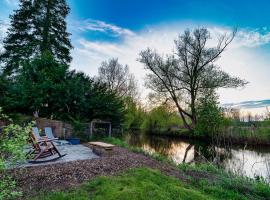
x,y
91,129
110,129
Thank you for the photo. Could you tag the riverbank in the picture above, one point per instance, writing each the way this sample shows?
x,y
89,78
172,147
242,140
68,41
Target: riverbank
x,y
233,135
129,173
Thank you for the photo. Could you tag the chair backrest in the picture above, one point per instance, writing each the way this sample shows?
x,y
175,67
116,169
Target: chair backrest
x,y
34,140
49,133
36,133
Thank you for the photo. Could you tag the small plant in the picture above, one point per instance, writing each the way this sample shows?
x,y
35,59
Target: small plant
x,y
78,127
13,139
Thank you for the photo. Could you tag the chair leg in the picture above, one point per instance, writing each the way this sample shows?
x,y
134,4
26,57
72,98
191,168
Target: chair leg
x,y
39,154
54,148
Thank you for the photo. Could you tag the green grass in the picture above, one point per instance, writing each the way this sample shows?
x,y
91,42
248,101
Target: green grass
x,y
145,183
225,185
135,184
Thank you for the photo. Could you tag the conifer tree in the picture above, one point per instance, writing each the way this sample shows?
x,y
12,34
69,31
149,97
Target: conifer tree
x,y
37,27
51,28
19,43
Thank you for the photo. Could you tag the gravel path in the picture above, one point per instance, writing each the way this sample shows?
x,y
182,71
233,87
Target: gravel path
x,y
33,180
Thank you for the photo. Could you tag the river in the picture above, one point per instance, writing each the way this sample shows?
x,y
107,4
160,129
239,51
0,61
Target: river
x,y
251,161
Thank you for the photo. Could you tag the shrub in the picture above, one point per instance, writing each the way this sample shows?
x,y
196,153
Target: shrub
x,y
161,119
13,139
209,116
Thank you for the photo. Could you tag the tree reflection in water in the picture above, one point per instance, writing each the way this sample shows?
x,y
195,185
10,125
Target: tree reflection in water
x,y
242,160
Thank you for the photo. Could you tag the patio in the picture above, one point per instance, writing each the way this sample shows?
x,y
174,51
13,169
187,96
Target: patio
x,y
73,153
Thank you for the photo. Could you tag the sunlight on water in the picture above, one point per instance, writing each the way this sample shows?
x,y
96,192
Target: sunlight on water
x,y
250,162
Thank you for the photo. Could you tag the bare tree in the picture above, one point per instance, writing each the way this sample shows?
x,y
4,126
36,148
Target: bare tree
x,y
267,114
185,75
118,78
232,113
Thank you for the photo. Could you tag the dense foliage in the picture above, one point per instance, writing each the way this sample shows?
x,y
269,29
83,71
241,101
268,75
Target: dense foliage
x,y
13,139
48,89
162,119
210,116
134,116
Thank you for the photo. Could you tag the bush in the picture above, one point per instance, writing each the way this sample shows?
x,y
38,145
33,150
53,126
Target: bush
x,y
13,139
161,119
209,116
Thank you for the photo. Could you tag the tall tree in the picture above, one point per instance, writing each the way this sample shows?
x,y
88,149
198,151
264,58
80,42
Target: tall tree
x,y
51,28
186,76
38,86
18,44
38,26
118,78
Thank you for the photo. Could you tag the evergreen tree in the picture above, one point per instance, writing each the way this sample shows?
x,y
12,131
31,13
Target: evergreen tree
x,y
37,27
51,28
19,43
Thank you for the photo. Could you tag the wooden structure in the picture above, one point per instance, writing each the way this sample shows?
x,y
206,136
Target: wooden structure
x,y
98,121
43,148
103,145
101,148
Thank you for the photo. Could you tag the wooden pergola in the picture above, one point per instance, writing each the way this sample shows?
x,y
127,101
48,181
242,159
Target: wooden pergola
x,y
98,121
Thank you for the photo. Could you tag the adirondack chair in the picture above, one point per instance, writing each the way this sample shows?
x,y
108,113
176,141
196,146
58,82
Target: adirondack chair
x,y
36,133
42,148
49,134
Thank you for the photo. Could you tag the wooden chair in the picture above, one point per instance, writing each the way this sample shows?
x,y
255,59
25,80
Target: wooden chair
x,y
50,135
42,148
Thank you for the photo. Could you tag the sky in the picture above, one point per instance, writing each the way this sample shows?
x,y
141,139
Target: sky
x,y
103,29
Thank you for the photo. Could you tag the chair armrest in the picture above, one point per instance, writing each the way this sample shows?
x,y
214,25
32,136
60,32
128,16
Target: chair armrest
x,y
45,140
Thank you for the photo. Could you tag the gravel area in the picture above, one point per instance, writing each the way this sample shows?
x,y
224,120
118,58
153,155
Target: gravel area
x,y
32,180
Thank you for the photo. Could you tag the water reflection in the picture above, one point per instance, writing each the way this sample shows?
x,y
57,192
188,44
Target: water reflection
x,y
244,160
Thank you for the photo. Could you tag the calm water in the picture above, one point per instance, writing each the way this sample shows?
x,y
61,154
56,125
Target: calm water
x,y
244,160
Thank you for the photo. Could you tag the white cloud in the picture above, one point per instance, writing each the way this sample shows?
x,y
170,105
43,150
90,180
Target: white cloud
x,y
11,2
252,38
100,26
246,37
3,30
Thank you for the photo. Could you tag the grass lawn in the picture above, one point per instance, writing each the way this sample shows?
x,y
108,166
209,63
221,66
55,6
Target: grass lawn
x,y
134,184
224,185
145,183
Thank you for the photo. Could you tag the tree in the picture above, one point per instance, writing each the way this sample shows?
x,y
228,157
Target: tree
x,y
161,119
45,87
37,27
232,113
87,99
210,115
185,76
51,28
38,86
134,114
19,42
118,78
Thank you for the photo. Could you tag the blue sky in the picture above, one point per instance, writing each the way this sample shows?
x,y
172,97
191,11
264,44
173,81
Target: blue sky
x,y
137,14
102,29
